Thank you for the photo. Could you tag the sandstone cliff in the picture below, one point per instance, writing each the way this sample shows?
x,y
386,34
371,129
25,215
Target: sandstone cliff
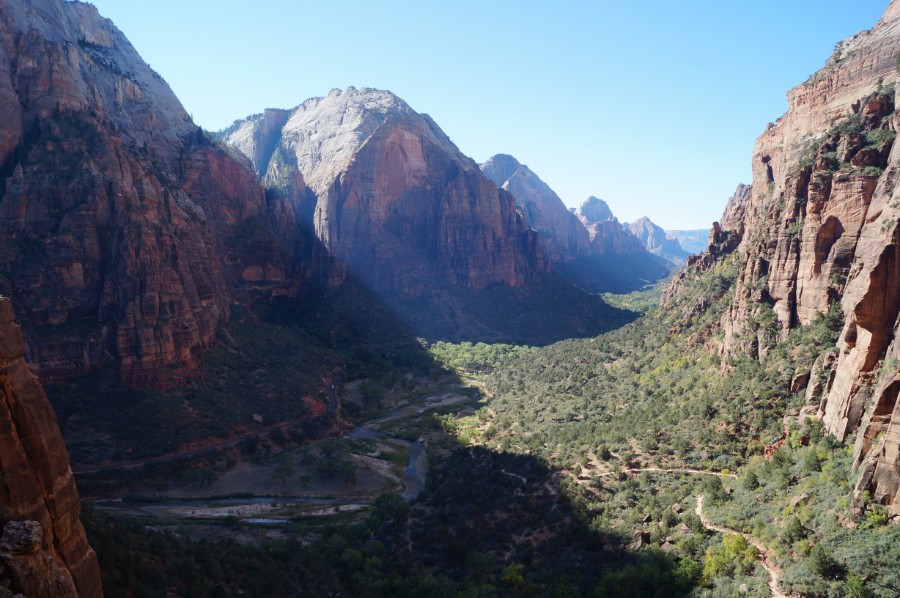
x,y
43,546
819,232
125,234
395,202
657,241
563,236
607,234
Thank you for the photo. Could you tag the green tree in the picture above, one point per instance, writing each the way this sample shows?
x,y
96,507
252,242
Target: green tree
x,y
284,470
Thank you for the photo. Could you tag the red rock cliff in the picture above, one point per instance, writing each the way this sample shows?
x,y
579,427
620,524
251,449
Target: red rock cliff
x,y
819,231
396,202
125,235
43,545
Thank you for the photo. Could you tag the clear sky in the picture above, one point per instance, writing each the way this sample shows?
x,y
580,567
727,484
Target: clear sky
x,y
652,105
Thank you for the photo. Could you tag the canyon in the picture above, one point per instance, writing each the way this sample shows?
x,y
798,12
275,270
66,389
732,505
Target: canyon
x,y
817,231
138,248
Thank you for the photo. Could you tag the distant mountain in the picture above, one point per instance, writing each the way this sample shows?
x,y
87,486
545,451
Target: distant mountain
x,y
657,241
593,210
589,247
396,204
563,237
692,241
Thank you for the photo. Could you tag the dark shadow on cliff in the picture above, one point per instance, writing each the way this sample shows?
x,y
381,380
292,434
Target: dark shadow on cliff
x,y
274,363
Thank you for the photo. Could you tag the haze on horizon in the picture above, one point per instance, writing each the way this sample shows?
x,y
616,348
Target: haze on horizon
x,y
652,106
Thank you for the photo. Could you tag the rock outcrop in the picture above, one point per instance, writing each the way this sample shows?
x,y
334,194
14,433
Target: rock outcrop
x,y
593,210
125,234
819,233
43,545
395,202
563,237
607,234
657,241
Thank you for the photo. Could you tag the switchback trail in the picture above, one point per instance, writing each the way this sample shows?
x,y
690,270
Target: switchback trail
x,y
756,542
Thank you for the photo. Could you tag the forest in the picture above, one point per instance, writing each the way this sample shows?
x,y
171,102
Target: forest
x,y
641,462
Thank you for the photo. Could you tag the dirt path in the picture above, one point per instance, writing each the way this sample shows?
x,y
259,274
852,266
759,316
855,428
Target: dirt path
x,y
638,470
514,475
757,543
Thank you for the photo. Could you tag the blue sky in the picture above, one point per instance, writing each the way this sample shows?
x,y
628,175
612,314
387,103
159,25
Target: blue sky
x,y
653,106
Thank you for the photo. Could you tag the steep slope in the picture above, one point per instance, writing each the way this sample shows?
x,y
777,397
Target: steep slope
x,y
588,246
563,236
400,208
819,233
43,545
125,235
396,201
657,241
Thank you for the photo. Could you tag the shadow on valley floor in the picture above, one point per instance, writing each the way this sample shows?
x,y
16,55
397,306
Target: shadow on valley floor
x,y
549,310
271,373
488,523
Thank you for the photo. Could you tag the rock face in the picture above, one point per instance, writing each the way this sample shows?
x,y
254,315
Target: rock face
x,y
125,234
395,203
657,241
593,210
563,236
43,545
587,246
607,234
819,231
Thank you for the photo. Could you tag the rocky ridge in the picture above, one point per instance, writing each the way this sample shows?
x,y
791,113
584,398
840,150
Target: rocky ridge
x,y
657,241
395,201
607,234
43,545
125,234
563,236
819,234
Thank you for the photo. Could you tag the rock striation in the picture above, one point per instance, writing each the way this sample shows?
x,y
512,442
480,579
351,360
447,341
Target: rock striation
x,y
392,199
819,233
125,233
43,546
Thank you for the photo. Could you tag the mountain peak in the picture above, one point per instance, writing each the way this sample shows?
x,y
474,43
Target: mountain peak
x,y
324,133
500,167
593,210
